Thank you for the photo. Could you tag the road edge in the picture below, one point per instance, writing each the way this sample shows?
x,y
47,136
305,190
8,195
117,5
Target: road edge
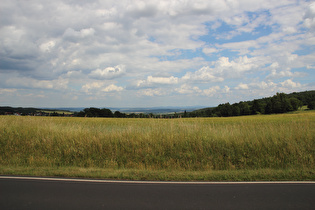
x,y
149,182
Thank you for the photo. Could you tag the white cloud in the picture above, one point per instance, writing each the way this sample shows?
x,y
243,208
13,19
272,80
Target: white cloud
x,y
242,86
259,89
100,86
205,74
209,50
309,20
237,68
91,86
290,84
162,80
108,73
152,92
187,89
153,81
112,88
211,91
287,73
262,85
47,46
226,89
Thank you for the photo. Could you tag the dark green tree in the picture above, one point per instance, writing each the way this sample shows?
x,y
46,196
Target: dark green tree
x,y
311,105
244,108
236,111
118,114
256,107
295,103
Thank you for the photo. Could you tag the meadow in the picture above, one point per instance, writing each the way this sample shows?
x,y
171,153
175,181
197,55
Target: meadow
x,y
260,147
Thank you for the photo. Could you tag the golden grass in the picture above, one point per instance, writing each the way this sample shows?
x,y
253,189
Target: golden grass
x,y
193,145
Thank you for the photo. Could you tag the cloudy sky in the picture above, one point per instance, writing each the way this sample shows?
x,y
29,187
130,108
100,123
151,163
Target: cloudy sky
x,y
137,53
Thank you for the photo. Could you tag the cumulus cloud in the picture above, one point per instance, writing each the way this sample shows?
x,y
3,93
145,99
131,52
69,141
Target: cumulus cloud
x,y
47,46
91,86
236,66
152,92
153,81
290,84
309,20
100,86
188,89
267,88
263,85
205,74
211,91
112,88
194,90
242,86
108,73
287,73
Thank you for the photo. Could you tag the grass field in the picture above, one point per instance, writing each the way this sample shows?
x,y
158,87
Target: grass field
x,y
261,147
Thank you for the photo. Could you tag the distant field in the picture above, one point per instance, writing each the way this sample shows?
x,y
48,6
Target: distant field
x,y
56,111
261,147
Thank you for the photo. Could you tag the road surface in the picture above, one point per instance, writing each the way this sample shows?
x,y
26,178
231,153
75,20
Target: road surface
x,y
33,193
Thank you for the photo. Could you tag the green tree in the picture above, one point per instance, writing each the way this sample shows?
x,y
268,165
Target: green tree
x,y
244,108
311,105
236,111
295,103
118,114
256,107
268,108
224,110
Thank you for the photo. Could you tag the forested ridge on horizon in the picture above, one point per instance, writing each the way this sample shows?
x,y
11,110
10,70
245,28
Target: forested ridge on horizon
x,y
279,103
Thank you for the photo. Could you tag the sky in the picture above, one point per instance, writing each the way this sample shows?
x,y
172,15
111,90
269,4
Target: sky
x,y
133,53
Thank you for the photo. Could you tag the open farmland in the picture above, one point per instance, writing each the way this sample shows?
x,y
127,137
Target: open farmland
x,y
260,147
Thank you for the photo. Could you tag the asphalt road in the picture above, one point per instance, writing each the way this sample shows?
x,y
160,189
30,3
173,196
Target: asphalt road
x,y
76,194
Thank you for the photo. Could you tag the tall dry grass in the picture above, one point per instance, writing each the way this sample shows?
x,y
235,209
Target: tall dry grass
x,y
194,144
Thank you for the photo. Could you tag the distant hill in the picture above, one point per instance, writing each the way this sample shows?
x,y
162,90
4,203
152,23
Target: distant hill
x,y
157,110
58,111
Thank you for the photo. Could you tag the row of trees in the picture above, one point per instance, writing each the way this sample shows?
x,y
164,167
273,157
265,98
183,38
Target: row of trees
x,y
96,112
7,110
279,103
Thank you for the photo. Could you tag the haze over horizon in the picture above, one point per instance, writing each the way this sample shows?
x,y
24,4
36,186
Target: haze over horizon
x,y
75,53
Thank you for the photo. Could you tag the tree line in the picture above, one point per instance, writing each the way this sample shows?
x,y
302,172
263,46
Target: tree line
x,y
279,103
